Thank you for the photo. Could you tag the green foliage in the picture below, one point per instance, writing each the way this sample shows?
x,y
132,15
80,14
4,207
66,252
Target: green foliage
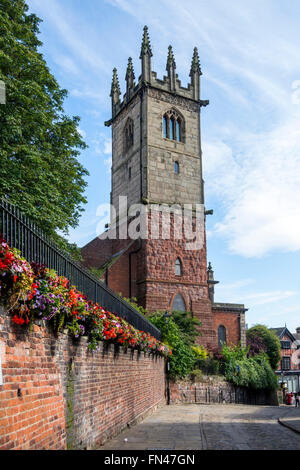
x,y
233,352
188,325
251,372
269,340
134,303
209,366
200,353
204,362
182,360
39,144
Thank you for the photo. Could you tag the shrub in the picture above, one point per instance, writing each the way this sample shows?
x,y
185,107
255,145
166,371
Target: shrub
x,y
251,372
200,352
182,360
209,366
188,326
260,334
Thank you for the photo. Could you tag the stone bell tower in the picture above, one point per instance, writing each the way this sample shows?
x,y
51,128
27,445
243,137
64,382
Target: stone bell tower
x,y
157,162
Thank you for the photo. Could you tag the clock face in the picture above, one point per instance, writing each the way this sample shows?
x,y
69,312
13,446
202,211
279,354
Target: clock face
x,y
296,358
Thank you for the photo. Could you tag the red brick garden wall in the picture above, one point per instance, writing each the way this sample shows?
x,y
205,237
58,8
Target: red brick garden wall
x,y
58,395
231,322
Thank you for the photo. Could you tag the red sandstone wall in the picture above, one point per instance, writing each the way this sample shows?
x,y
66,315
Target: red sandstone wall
x,y
57,395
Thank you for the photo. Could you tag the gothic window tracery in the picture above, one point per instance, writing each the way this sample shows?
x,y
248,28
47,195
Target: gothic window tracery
x,y
128,134
173,124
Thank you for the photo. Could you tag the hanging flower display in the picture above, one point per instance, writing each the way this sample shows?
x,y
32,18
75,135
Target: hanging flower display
x,y
33,291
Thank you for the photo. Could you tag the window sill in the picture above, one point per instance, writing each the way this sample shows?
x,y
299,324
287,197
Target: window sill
x,y
173,141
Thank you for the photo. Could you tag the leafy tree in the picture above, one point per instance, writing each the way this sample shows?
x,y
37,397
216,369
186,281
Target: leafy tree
x,y
256,345
260,334
39,144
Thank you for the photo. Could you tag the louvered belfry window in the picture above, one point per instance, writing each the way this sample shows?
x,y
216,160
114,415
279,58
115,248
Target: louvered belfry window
x,y
173,126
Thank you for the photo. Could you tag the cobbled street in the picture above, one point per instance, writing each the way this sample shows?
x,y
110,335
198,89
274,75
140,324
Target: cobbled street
x,y
211,427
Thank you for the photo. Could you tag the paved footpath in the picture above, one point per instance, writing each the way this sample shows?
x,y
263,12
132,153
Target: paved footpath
x,y
213,427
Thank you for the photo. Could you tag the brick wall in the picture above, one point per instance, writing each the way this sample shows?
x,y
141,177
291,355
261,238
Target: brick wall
x,y
230,321
57,395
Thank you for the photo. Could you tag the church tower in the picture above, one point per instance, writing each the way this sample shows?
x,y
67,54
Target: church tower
x,y
157,171
157,162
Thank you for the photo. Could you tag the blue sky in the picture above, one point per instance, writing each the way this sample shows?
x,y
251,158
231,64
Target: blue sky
x,y
249,53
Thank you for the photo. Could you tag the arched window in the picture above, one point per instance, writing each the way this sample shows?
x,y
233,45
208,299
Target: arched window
x,y
221,335
178,131
179,304
128,134
178,267
173,126
176,168
165,126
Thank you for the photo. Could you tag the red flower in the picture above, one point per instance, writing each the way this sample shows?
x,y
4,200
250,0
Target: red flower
x,y
18,320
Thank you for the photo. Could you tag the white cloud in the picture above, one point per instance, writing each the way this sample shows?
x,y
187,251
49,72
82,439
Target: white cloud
x,y
82,133
263,298
67,63
107,146
259,188
81,46
102,147
88,93
235,285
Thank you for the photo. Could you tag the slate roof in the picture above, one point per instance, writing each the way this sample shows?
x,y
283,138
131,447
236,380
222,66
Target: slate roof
x,y
281,331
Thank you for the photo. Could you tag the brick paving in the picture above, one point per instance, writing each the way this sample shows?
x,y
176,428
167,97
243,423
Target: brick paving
x,y
212,427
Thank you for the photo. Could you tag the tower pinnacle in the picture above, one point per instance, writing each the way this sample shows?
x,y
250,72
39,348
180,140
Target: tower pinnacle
x,y
195,74
145,56
211,283
171,60
115,91
146,46
171,69
130,84
195,68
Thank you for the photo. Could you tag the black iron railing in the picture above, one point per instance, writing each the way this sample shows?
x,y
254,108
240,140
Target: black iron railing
x,y
21,233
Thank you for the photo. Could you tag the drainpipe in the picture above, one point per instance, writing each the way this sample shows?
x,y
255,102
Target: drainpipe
x,y
130,266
